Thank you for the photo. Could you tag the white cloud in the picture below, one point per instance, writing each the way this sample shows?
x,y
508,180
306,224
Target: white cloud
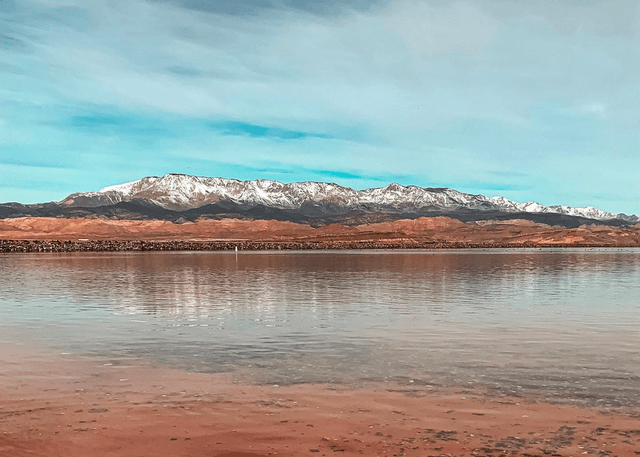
x,y
417,76
410,65
428,28
594,108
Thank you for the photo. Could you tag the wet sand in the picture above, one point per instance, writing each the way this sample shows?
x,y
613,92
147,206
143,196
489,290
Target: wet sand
x,y
61,405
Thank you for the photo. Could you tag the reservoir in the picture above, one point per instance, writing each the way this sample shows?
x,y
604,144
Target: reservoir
x,y
561,325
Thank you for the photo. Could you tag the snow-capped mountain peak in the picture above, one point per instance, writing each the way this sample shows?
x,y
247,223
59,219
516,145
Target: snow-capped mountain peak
x,y
180,192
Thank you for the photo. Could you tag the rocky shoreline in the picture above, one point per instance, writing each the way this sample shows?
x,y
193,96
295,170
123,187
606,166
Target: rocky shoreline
x,y
22,246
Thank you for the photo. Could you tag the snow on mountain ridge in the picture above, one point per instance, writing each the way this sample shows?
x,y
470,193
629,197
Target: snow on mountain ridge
x,y
181,192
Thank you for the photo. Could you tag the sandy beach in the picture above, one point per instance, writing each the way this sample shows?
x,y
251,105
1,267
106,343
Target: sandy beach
x,y
62,405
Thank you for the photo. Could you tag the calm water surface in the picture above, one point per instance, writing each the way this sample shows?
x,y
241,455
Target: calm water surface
x,y
563,324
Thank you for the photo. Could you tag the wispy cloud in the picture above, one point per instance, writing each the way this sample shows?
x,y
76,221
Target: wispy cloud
x,y
344,175
119,124
182,71
260,131
11,43
19,158
284,172
253,8
441,93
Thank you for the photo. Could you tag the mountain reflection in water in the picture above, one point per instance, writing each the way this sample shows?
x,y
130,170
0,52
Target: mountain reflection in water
x,y
560,323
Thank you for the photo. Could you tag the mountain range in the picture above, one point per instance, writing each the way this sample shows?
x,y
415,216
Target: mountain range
x,y
180,198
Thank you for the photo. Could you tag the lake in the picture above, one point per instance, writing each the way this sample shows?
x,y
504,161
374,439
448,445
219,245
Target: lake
x,y
557,324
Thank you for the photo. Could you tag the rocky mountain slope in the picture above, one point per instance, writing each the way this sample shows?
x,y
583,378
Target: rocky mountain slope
x,y
177,197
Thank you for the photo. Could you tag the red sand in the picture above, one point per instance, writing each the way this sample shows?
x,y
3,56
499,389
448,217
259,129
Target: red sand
x,y
515,232
59,405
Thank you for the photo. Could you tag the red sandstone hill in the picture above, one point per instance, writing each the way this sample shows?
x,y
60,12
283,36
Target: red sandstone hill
x,y
439,229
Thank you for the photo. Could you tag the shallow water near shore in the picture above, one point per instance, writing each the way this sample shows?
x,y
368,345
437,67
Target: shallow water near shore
x,y
559,324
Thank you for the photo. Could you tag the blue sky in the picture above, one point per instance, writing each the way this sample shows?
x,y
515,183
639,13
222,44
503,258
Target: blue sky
x,y
536,100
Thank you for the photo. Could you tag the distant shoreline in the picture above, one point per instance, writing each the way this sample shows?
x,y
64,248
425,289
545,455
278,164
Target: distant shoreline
x,y
23,246
72,235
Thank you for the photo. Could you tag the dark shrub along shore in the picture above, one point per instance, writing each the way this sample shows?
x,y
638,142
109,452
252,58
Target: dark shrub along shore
x,y
138,245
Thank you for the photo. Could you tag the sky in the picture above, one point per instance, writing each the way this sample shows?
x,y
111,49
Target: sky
x,y
534,101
